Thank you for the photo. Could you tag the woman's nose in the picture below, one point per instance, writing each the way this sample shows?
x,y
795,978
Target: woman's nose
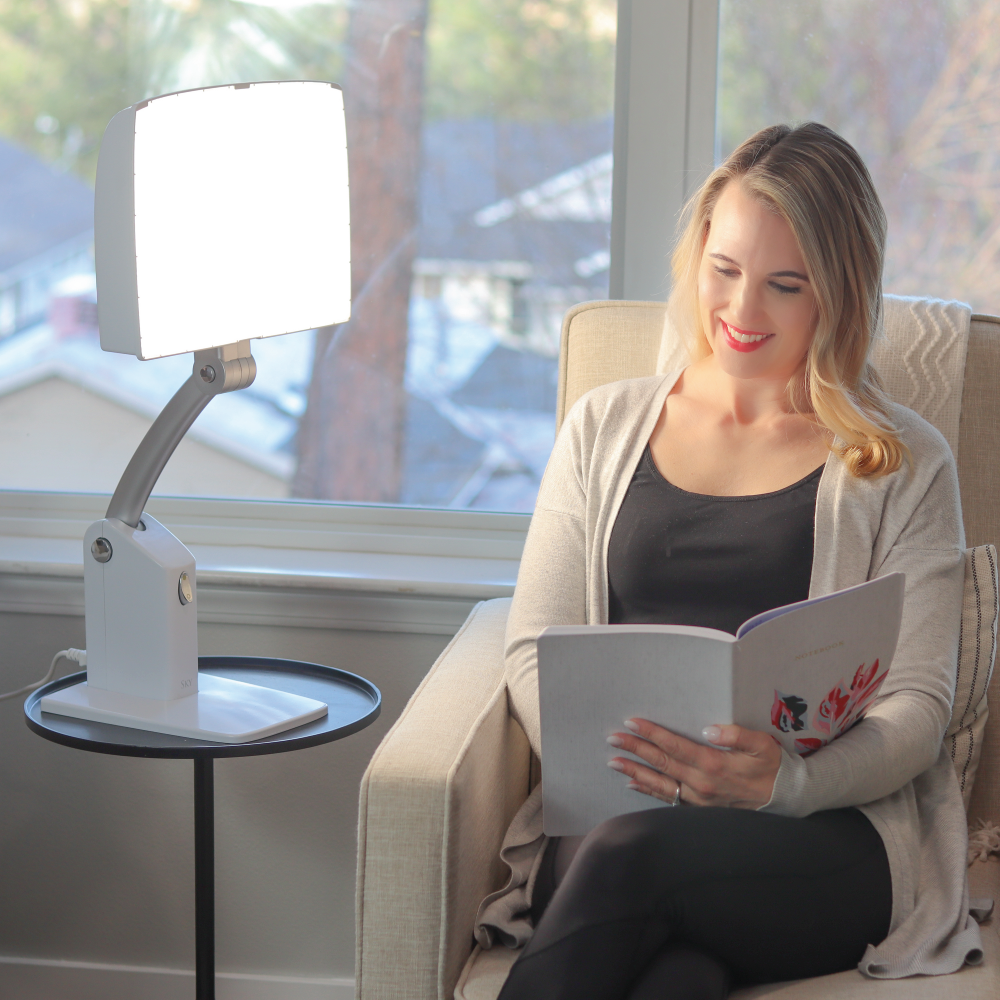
x,y
745,304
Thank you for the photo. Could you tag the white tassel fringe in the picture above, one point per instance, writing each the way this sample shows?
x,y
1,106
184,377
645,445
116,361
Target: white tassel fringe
x,y
984,841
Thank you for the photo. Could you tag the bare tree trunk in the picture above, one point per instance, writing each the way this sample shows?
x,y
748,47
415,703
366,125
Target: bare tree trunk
x,y
351,436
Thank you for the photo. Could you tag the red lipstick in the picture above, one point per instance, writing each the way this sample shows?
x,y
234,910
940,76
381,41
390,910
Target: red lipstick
x,y
738,345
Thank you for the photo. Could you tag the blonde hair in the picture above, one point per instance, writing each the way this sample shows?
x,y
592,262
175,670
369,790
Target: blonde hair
x,y
816,181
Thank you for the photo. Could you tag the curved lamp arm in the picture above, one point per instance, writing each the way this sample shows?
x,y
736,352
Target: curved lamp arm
x,y
219,370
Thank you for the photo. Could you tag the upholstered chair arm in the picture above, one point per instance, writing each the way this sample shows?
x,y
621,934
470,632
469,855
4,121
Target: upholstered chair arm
x,y
436,801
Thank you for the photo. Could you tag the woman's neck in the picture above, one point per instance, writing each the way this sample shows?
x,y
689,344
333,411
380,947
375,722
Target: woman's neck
x,y
745,401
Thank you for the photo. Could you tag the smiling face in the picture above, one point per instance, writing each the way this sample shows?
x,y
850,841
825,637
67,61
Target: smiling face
x,y
757,307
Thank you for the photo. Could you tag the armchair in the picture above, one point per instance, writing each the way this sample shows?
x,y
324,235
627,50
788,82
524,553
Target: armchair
x,y
449,776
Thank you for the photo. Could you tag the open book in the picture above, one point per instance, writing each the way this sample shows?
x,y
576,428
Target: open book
x,y
804,673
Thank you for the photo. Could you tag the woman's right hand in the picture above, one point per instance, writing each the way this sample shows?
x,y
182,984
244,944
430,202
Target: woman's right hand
x,y
738,771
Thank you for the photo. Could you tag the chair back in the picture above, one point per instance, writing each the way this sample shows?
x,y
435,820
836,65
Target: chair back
x,y
606,341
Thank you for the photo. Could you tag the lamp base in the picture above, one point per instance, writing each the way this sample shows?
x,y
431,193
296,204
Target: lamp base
x,y
223,711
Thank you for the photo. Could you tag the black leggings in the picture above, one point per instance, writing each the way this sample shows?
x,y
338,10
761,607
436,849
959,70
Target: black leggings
x,y
681,904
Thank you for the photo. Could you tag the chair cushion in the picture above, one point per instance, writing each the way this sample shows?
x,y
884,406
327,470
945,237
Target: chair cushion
x,y
603,342
973,982
485,971
922,356
976,654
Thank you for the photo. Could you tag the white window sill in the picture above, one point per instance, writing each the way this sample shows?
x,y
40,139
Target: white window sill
x,y
280,562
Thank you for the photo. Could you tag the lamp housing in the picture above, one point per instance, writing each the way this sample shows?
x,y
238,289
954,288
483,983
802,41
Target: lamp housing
x,y
220,215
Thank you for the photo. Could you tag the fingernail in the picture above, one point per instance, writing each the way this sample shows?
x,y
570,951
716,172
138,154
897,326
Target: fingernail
x,y
616,765
712,733
634,785
616,741
632,724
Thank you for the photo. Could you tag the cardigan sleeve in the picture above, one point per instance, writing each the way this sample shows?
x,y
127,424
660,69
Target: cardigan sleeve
x,y
550,591
901,735
552,579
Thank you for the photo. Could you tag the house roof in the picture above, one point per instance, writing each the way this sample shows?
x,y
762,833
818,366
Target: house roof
x,y
580,194
528,174
40,208
469,166
255,426
60,433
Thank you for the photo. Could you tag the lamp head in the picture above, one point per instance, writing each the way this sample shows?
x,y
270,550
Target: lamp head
x,y
222,215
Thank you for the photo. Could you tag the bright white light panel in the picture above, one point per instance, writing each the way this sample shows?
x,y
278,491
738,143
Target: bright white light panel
x,y
242,223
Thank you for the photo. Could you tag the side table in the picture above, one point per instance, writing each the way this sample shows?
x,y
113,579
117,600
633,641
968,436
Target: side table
x,y
353,703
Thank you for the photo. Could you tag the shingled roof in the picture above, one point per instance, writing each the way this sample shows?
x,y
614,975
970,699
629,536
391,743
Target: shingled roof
x,y
472,164
40,208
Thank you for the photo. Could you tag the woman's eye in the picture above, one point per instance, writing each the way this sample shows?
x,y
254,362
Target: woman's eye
x,y
786,289
727,272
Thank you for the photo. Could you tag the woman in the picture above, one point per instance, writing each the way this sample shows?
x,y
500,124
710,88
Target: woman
x,y
771,469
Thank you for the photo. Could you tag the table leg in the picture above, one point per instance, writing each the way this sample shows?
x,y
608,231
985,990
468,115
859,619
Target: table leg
x,y
204,877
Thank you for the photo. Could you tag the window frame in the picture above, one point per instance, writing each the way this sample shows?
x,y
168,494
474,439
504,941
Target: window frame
x,y
372,566
662,48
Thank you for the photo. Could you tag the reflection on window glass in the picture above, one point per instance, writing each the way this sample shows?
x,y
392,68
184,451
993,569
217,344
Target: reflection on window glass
x,y
479,136
914,86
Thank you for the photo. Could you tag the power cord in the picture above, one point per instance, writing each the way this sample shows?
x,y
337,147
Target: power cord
x,y
76,655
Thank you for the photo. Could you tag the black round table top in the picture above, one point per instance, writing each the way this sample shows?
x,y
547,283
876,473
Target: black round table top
x,y
353,704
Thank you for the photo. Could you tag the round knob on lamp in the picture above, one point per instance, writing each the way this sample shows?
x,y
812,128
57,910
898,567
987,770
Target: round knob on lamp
x,y
101,550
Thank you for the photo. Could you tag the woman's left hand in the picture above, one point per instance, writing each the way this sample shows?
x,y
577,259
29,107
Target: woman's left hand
x,y
741,775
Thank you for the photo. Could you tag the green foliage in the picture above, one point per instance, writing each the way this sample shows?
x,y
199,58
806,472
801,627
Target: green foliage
x,y
182,44
531,60
772,66
912,86
67,66
63,73
863,67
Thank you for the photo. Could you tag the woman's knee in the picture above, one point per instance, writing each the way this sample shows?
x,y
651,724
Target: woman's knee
x,y
625,851
656,847
620,834
653,829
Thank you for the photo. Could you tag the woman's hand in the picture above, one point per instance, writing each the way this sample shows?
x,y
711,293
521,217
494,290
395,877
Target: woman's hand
x,y
741,775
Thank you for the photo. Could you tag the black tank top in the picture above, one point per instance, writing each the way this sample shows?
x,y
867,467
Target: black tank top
x,y
679,558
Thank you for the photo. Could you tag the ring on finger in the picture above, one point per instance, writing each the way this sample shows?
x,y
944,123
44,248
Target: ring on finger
x,y
677,796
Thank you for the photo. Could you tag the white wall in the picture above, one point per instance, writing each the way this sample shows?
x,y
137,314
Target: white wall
x,y
96,860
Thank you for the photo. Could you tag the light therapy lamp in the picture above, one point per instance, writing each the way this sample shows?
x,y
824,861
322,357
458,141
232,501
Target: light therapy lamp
x,y
221,215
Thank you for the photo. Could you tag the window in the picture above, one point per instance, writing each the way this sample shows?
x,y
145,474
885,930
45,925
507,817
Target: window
x,y
914,87
480,140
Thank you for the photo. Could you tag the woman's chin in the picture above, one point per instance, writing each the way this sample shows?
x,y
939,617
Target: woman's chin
x,y
759,364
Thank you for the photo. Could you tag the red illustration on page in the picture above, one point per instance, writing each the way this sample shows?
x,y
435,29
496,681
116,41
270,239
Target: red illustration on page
x,y
843,705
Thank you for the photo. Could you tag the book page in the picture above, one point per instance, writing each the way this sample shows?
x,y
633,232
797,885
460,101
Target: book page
x,y
808,674
592,678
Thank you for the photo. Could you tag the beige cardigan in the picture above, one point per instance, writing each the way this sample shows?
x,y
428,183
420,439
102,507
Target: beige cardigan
x,y
893,765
